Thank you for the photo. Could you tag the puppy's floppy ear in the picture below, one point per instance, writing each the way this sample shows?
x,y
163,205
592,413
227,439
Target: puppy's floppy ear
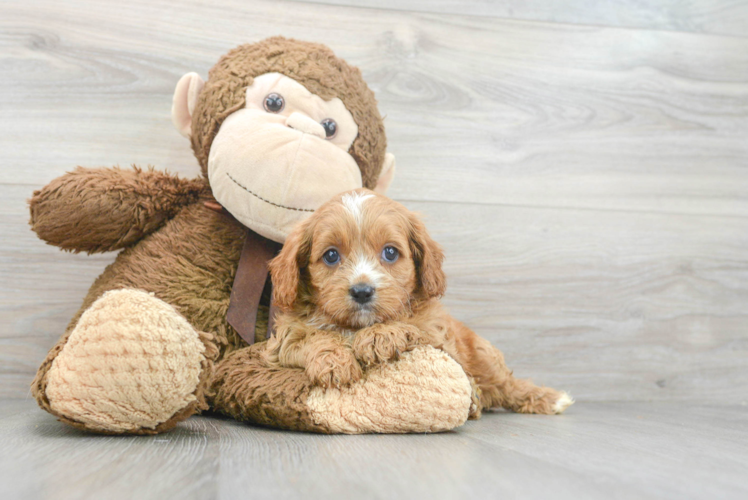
x,y
428,256
285,268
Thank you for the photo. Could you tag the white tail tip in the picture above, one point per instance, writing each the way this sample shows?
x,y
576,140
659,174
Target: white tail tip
x,y
562,403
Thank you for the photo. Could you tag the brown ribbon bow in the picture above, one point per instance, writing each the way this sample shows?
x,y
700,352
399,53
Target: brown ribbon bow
x,y
251,275
250,279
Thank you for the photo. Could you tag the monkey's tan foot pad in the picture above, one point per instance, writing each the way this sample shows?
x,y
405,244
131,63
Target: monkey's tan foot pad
x,y
425,391
131,365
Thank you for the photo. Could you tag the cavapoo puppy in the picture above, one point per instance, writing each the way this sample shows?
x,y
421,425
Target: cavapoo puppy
x,y
358,283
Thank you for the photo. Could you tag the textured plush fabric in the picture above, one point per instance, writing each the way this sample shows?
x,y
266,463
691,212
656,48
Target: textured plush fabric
x,y
426,391
303,110
131,362
100,210
184,101
315,67
291,175
189,262
246,389
183,256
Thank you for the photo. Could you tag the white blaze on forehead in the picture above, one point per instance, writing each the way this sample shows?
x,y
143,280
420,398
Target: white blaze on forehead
x,y
354,203
365,270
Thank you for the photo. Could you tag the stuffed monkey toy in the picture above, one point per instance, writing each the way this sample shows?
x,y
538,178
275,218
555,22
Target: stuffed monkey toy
x,y
176,325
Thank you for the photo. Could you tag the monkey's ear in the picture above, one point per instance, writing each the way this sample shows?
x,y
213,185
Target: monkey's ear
x,y
185,99
285,268
387,174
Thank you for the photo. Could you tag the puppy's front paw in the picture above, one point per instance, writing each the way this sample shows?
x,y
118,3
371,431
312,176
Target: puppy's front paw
x,y
384,342
334,368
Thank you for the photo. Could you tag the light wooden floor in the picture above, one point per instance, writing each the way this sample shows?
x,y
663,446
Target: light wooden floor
x,y
600,450
584,163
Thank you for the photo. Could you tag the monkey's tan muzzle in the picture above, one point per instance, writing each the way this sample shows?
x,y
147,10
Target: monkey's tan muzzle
x,y
271,176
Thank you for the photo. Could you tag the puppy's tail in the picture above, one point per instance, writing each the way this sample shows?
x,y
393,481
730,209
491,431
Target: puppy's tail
x,y
499,387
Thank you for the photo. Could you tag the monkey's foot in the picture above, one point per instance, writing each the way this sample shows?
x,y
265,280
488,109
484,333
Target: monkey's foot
x,y
132,364
425,391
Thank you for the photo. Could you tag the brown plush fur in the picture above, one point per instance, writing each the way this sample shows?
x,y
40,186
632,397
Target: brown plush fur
x,y
330,335
108,209
189,262
248,390
315,67
187,254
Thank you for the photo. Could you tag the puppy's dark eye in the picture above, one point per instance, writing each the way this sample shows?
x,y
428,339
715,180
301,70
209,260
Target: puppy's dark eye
x,y
274,103
331,128
390,254
331,257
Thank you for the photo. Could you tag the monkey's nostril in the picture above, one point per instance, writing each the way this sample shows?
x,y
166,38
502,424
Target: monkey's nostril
x,y
361,292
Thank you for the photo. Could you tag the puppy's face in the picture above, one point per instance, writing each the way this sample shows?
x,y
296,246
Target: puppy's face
x,y
359,259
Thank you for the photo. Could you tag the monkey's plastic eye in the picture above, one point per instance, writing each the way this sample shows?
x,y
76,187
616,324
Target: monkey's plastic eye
x,y
390,254
331,128
331,257
274,103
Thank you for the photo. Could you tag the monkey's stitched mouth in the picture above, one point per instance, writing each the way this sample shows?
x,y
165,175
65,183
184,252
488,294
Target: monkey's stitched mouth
x,y
267,201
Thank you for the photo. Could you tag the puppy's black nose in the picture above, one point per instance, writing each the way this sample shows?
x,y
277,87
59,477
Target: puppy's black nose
x,y
361,292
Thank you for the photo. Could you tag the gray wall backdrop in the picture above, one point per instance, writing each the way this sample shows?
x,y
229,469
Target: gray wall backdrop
x,y
585,165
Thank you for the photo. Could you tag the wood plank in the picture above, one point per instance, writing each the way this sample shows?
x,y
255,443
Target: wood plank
x,y
656,450
71,464
611,450
588,183
720,17
41,288
608,305
478,109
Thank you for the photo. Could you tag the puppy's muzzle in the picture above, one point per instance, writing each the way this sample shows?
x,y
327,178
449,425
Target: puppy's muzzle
x,y
362,293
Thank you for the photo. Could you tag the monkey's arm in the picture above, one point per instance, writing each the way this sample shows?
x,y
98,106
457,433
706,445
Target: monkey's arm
x,y
102,209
